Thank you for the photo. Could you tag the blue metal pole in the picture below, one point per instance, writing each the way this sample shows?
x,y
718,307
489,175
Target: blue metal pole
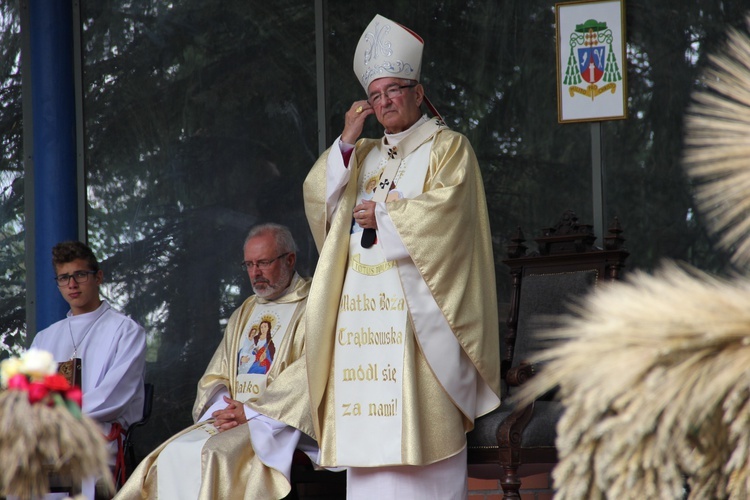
x,y
53,111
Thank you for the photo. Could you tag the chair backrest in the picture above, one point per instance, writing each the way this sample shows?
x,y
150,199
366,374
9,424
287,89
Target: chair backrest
x,y
544,297
544,283
148,402
127,443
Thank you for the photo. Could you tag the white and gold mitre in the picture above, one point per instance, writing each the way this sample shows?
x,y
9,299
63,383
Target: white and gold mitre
x,y
387,49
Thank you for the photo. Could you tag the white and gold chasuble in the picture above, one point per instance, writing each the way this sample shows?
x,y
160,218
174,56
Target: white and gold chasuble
x,y
402,338
372,331
250,461
252,374
180,465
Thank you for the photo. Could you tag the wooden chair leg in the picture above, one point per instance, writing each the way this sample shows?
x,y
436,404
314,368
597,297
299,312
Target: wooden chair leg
x,y
510,483
509,447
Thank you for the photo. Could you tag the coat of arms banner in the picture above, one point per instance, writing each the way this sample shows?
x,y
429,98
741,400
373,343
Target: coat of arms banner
x,y
591,64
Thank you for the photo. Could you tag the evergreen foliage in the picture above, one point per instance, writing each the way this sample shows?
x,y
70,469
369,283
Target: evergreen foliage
x,y
201,120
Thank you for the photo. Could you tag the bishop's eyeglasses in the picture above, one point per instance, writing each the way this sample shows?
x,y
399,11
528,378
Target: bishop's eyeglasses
x,y
78,276
390,92
261,264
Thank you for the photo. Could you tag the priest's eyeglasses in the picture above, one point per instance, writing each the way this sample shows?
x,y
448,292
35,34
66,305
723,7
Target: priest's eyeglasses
x,y
391,92
78,276
262,264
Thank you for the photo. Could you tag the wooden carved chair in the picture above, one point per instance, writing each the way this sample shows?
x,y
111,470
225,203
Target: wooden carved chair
x,y
128,441
512,442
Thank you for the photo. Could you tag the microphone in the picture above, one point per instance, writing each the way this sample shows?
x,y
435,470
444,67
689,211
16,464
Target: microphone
x,y
368,237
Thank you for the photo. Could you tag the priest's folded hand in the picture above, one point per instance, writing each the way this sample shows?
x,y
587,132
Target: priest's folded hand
x,y
231,416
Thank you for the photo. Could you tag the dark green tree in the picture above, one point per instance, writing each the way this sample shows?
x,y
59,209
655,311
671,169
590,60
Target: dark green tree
x,y
201,120
12,223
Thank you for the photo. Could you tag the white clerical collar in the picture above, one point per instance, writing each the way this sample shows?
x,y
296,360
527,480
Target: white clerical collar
x,y
292,284
394,139
95,313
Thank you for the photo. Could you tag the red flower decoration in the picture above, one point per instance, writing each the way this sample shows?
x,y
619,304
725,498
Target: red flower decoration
x,y
37,392
18,382
74,394
56,382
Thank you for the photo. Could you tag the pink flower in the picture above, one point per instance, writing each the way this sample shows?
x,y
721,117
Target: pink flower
x,y
56,382
18,382
74,394
37,392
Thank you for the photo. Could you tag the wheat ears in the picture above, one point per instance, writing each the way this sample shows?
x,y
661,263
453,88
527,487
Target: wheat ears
x,y
654,372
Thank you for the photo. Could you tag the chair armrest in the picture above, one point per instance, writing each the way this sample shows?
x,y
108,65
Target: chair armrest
x,y
518,375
